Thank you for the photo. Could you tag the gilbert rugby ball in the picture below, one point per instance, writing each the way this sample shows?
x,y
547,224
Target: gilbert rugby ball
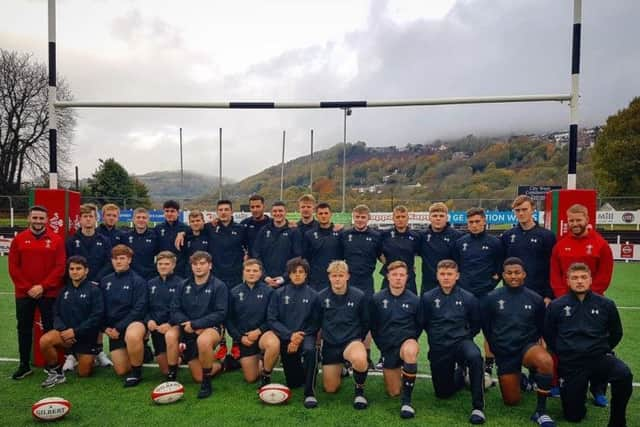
x,y
274,394
167,392
50,409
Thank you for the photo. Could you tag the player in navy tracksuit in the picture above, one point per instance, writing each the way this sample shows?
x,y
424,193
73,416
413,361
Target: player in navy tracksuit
x,y
93,246
451,318
196,239
109,224
168,230
513,322
125,303
582,328
228,243
197,313
293,315
400,244
533,244
78,311
160,291
479,256
145,244
395,326
344,312
247,324
306,207
436,244
321,245
276,244
256,221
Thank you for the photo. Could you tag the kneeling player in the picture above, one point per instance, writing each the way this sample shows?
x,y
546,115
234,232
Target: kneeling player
x,y
125,301
197,312
293,316
583,328
160,292
78,313
513,322
247,323
451,318
395,326
344,325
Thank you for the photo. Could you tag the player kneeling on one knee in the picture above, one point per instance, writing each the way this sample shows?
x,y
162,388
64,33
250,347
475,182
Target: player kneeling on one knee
x,y
451,318
247,323
160,291
513,323
125,301
395,326
344,324
293,315
582,328
78,312
197,312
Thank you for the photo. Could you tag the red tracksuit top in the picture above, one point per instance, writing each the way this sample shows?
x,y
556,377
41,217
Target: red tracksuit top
x,y
37,260
592,250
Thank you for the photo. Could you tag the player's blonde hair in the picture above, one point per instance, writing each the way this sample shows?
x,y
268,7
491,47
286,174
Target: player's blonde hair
x,y
578,208
523,198
438,207
338,266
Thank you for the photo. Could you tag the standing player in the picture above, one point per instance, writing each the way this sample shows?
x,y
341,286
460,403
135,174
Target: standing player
x,y
583,328
36,268
78,313
247,324
451,318
344,324
256,221
321,245
196,239
197,313
395,326
533,245
168,230
145,244
436,244
109,225
160,291
479,256
306,206
228,243
293,316
125,301
513,323
275,245
582,244
400,244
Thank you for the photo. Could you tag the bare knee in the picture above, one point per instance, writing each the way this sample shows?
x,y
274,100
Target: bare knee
x,y
331,388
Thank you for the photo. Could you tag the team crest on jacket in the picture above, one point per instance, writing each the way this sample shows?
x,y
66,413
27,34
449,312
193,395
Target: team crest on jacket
x,y
350,238
130,239
187,290
153,289
286,299
567,311
385,304
241,296
47,243
77,243
393,234
268,233
501,303
162,231
327,303
437,302
66,294
429,237
513,238
108,285
464,246
589,249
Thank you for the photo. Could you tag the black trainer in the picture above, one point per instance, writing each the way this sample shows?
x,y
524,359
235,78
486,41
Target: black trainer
x,y
205,389
132,381
21,372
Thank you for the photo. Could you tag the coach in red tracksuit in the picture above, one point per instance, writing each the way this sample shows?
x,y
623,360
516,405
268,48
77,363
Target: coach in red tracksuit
x,y
581,245
36,267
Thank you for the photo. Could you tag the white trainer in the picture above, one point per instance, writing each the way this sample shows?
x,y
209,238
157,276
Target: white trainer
x,y
103,361
70,363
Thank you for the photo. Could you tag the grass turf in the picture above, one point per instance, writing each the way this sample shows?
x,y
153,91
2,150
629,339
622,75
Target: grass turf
x,y
101,400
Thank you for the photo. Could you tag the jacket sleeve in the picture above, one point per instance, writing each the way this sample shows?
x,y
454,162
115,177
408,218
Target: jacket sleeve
x,y
614,326
93,322
314,317
558,283
138,306
217,313
602,278
58,323
177,315
54,278
550,327
273,318
230,323
15,267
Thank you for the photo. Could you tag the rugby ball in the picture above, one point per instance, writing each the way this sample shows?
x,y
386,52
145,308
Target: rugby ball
x,y
274,394
167,392
50,409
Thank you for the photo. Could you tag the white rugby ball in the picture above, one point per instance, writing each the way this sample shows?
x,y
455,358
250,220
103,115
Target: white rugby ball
x,y
50,409
274,394
167,392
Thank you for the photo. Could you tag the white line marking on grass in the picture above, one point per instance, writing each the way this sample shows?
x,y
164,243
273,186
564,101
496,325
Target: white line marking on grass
x,y
628,308
371,373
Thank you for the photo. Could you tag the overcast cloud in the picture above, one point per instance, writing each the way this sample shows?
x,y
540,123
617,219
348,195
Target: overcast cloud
x,y
321,50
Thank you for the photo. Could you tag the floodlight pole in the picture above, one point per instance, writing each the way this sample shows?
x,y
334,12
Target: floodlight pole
x,y
52,124
282,168
311,165
575,95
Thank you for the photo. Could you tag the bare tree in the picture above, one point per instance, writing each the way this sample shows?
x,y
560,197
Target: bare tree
x,y
24,115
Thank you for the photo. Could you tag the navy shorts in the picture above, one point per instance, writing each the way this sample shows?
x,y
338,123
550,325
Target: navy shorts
x,y
159,343
333,354
245,351
85,345
391,358
512,363
190,340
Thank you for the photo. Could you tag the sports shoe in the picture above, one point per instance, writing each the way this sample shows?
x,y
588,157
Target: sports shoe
x,y
543,420
70,363
407,411
380,364
555,391
132,381
222,352
103,360
172,376
53,379
600,400
345,372
360,402
265,380
21,372
477,417
205,389
488,381
310,402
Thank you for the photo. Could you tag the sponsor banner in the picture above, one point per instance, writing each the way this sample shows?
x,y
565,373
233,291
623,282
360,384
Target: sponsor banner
x,y
537,192
618,217
455,218
5,244
625,252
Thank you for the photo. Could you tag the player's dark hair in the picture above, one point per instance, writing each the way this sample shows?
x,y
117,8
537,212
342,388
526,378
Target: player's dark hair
x,y
121,250
171,204
38,208
256,197
77,259
294,263
224,202
323,205
513,261
476,211
253,261
279,203
198,255
447,263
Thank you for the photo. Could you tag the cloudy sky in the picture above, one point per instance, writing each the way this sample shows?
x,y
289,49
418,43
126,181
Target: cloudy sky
x,y
295,50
